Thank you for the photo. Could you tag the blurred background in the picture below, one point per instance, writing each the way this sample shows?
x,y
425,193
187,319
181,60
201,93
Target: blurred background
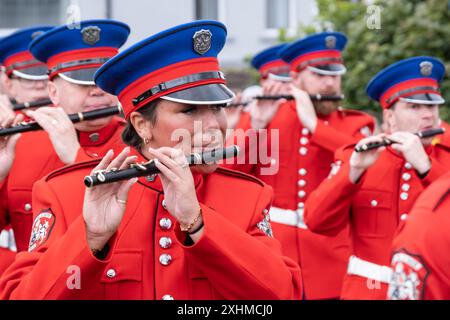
x,y
380,32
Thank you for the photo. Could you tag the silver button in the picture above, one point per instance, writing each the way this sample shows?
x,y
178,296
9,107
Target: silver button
x,y
302,172
165,223
167,297
165,242
304,141
27,207
164,204
301,205
111,273
94,137
305,131
406,187
404,196
301,194
165,259
408,165
406,176
374,203
303,151
301,183
404,217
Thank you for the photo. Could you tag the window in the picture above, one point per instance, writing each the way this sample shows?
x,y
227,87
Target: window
x,y
207,9
277,14
23,13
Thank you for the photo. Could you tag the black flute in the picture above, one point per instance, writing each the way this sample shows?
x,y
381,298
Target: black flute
x,y
313,97
387,142
34,104
75,117
149,168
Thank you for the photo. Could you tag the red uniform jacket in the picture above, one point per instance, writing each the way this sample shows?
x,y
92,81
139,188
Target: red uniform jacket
x,y
149,259
304,161
372,208
35,158
421,260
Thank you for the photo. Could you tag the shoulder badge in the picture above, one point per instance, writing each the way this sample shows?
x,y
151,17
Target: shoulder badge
x,y
409,276
41,229
202,41
264,224
91,35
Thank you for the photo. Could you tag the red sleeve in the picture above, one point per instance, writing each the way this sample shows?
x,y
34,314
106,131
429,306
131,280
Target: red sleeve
x,y
332,139
252,259
43,273
4,216
327,210
436,171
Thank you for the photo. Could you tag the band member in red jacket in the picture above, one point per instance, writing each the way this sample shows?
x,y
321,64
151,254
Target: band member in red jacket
x,y
200,233
72,56
372,191
420,261
308,135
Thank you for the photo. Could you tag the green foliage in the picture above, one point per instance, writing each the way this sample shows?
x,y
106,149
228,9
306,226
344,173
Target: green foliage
x,y
407,28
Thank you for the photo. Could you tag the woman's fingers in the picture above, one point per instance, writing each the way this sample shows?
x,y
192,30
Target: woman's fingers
x,y
164,155
118,161
124,189
166,171
127,162
104,162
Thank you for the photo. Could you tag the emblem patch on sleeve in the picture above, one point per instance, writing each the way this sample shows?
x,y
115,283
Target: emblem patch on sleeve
x,y
264,225
409,276
41,229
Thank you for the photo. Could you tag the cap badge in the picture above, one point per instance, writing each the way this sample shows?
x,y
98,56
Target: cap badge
x,y
330,42
91,35
202,41
426,67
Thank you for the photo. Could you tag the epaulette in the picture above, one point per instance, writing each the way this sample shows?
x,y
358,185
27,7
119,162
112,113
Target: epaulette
x,y
238,174
72,168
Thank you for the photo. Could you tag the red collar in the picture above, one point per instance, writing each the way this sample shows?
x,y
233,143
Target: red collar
x,y
154,182
99,137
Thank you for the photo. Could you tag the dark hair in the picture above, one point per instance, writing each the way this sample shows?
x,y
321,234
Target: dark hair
x,y
129,135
